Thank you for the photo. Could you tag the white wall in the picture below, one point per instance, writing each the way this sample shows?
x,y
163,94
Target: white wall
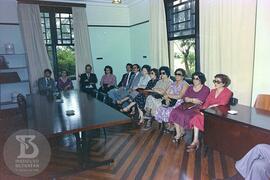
x,y
8,11
261,82
110,40
139,34
139,11
107,15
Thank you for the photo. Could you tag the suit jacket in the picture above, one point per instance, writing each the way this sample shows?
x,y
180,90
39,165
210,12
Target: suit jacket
x,y
135,80
45,87
124,79
86,82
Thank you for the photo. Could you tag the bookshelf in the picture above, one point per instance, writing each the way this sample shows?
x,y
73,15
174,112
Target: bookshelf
x,y
13,79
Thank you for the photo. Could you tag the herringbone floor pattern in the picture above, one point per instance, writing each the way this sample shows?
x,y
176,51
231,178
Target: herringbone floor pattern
x,y
138,155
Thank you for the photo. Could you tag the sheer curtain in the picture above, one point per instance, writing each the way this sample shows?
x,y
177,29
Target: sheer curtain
x,y
38,60
158,34
81,39
227,32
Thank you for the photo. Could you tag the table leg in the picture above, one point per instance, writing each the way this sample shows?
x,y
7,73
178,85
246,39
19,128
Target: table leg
x,y
205,150
83,150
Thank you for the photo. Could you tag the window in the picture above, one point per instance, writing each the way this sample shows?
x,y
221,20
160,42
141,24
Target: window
x,y
183,32
57,29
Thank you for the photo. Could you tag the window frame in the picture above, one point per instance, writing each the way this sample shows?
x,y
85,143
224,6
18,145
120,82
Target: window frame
x,y
53,30
196,36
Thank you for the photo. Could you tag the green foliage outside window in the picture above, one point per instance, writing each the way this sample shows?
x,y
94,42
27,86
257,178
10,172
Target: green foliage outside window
x,y
66,59
186,49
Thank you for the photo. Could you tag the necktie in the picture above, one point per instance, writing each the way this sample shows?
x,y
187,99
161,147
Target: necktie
x,y
128,79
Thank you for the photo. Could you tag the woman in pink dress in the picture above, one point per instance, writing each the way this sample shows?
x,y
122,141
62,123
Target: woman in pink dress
x,y
220,95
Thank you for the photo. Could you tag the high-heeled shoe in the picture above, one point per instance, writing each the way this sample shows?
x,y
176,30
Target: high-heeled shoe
x,y
193,147
125,110
178,139
119,102
141,122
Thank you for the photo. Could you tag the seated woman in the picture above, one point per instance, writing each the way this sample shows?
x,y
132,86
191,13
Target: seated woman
x,y
64,83
145,78
173,97
255,164
153,101
141,97
220,95
107,82
193,99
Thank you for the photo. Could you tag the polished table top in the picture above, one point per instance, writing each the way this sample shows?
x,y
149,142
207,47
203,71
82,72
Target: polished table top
x,y
246,115
48,115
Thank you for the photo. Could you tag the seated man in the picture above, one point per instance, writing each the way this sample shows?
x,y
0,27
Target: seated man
x,y
46,84
123,84
255,164
88,81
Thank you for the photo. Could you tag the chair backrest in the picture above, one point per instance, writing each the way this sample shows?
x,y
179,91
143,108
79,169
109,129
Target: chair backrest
x,y
263,102
22,104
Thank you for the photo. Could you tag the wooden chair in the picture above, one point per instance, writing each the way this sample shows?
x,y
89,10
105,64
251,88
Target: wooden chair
x,y
21,100
263,102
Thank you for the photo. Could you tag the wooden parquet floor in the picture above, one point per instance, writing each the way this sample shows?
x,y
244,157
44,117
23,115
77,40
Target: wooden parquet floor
x,y
138,155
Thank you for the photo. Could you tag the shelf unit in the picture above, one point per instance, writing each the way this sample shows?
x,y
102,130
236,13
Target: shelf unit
x,y
13,79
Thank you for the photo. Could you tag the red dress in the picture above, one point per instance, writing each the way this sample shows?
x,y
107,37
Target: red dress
x,y
222,99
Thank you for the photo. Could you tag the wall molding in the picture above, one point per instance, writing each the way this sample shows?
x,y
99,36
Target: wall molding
x,y
8,24
119,26
52,3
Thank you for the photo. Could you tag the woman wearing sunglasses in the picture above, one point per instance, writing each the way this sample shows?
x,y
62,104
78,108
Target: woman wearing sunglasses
x,y
193,99
220,95
153,101
173,97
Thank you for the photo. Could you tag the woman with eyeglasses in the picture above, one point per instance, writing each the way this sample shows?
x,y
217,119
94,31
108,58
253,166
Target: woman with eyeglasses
x,y
107,82
153,101
220,95
173,97
193,99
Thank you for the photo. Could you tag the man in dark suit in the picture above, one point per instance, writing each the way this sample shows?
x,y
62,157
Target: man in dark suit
x,y
88,81
115,94
46,84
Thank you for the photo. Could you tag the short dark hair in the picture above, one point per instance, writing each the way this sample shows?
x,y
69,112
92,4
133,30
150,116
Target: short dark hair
x,y
88,65
224,78
155,70
108,67
166,69
200,75
147,67
129,64
182,71
138,66
47,70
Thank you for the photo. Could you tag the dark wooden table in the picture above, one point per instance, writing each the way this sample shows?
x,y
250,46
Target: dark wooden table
x,y
235,135
48,115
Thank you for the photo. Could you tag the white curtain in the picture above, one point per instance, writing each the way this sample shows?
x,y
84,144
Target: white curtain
x,y
38,60
81,39
158,34
227,32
